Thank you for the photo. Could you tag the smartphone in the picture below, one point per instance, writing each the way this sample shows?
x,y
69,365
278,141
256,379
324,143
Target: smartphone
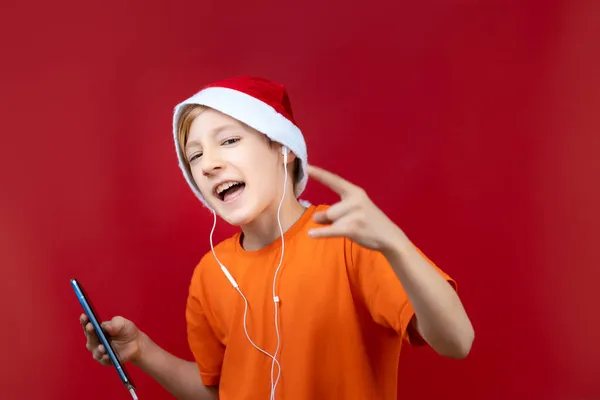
x,y
102,336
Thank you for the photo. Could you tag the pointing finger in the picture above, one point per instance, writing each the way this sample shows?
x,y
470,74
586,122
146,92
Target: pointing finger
x,y
331,180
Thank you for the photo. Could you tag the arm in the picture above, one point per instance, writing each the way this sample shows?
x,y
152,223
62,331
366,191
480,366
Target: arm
x,y
440,319
418,290
179,377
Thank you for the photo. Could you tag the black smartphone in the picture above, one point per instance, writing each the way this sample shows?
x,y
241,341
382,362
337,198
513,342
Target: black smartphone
x,y
102,336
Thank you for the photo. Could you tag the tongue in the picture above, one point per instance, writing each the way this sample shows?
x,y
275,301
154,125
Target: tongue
x,y
232,191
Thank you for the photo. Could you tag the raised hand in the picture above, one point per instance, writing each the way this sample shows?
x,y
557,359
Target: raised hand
x,y
355,216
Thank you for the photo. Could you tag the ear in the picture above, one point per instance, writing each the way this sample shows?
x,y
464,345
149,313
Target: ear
x,y
288,156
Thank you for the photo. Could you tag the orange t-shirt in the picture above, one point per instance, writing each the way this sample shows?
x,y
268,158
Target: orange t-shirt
x,y
343,314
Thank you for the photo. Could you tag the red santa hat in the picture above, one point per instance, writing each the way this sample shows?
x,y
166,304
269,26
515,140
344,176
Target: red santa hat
x,y
259,103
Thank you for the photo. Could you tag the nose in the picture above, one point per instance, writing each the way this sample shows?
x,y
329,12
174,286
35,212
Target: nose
x,y
210,163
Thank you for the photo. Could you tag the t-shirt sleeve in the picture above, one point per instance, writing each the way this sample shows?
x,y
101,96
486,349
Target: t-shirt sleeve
x,y
207,349
382,292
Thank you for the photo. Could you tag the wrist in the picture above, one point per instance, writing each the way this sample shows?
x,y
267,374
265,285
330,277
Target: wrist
x,y
395,243
144,348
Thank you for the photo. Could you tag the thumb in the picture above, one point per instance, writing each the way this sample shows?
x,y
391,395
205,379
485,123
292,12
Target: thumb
x,y
114,326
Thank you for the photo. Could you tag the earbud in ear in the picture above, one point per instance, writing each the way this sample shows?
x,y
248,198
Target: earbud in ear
x,y
285,151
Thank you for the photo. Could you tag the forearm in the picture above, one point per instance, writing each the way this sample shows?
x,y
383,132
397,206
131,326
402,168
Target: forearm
x,y
440,316
179,377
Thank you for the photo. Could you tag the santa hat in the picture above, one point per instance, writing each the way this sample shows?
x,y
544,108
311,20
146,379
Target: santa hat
x,y
261,104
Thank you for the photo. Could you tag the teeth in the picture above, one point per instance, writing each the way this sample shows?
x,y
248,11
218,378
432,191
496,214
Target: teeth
x,y
224,186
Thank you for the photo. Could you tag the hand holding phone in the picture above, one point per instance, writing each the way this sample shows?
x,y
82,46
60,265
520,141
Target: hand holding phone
x,y
112,343
125,339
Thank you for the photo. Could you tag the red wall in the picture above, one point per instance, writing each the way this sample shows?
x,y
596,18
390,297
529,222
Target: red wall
x,y
474,124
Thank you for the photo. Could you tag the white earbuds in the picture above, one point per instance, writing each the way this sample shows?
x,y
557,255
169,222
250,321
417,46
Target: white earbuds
x,y
285,151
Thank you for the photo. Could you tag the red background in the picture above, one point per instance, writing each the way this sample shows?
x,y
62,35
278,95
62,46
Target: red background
x,y
474,124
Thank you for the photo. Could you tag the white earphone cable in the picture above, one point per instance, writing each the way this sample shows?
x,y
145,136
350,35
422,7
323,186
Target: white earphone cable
x,y
236,286
275,297
273,357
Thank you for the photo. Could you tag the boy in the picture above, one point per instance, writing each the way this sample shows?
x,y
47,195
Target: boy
x,y
306,302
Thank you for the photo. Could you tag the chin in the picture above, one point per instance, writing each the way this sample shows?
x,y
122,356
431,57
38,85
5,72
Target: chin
x,y
243,211
238,217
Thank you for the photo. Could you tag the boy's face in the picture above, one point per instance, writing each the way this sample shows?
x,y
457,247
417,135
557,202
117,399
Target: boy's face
x,y
237,171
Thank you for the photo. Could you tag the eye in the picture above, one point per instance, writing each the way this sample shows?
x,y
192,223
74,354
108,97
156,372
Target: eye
x,y
230,141
194,157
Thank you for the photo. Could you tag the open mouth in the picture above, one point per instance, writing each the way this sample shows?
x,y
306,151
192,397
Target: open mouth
x,y
229,190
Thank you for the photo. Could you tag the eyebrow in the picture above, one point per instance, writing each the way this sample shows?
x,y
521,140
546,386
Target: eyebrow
x,y
212,133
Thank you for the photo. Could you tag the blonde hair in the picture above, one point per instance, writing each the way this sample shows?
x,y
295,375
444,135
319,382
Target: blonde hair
x,y
188,116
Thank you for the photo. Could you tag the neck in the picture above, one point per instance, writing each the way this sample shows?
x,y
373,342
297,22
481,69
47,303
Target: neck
x,y
265,229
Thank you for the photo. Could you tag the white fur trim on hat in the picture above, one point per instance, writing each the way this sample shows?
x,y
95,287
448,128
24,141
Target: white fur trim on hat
x,y
254,113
